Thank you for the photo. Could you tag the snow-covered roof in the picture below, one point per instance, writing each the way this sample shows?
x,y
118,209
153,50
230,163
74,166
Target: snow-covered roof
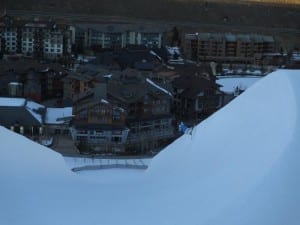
x,y
153,53
173,50
230,84
12,102
107,75
158,87
104,101
238,167
36,110
58,115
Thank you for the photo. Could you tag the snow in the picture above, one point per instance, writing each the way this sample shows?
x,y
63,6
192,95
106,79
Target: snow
x,y
33,108
104,101
153,53
12,102
47,142
296,56
58,115
173,50
108,76
238,167
96,163
229,84
158,87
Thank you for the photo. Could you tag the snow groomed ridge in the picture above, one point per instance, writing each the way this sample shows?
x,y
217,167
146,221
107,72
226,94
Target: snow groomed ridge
x,y
239,167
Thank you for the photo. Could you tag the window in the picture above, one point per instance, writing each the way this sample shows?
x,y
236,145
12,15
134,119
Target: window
x,y
116,139
82,132
83,114
116,115
97,109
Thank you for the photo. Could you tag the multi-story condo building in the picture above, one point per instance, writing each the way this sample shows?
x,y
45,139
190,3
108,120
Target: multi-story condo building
x,y
227,47
126,112
43,39
118,35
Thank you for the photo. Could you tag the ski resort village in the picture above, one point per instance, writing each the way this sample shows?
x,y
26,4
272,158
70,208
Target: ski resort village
x,y
117,121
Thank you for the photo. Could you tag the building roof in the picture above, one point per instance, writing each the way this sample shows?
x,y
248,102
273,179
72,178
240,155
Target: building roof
x,y
129,58
244,38
12,102
58,115
203,36
24,65
131,87
257,38
268,38
28,113
192,85
127,93
121,27
230,37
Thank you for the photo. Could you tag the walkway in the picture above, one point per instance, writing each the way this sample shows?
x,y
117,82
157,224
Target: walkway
x,y
90,163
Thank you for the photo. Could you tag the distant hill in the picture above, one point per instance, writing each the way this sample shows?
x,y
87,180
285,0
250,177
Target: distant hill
x,y
210,12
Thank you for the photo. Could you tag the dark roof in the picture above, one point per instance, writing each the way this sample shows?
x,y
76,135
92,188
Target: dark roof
x,y
146,66
7,20
11,115
126,93
24,65
129,58
131,86
193,85
104,58
122,27
162,52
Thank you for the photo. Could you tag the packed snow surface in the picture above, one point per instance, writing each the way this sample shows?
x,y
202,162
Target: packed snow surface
x,y
58,115
238,167
229,84
33,108
13,102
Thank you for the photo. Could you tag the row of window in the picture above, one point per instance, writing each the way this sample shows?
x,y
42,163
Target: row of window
x,y
52,50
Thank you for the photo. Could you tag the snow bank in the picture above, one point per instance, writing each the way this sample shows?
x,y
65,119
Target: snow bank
x,y
238,167
229,85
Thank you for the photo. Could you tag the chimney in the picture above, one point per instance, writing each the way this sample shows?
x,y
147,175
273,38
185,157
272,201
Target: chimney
x,y
100,91
213,66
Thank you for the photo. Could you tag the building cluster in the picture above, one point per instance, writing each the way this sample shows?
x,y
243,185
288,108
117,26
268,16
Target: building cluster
x,y
34,120
130,98
230,48
31,79
34,38
116,36
51,40
48,39
130,103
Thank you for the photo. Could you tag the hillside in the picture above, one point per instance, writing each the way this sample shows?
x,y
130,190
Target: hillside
x,y
212,12
239,167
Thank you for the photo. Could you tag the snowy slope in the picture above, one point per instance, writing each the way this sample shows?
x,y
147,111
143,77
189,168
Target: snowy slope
x,y
240,166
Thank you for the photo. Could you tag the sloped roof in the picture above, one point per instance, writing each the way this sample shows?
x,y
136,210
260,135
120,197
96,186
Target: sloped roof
x,y
58,115
22,114
127,93
193,85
